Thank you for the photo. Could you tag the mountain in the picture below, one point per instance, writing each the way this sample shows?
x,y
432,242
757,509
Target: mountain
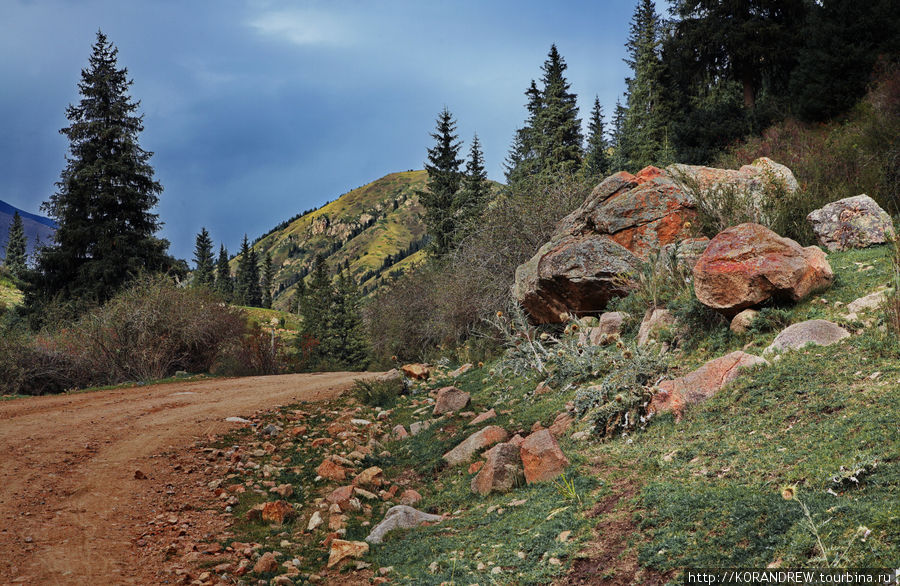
x,y
372,230
37,228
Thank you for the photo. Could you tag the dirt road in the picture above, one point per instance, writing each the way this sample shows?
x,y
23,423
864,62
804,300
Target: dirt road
x,y
70,506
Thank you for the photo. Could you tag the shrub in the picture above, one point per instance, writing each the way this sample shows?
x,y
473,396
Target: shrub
x,y
378,393
446,300
257,352
149,331
892,303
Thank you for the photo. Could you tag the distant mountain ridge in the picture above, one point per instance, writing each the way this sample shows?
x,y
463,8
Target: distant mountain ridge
x,y
37,228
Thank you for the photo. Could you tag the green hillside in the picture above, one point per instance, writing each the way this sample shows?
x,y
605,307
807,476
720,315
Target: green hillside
x,y
370,229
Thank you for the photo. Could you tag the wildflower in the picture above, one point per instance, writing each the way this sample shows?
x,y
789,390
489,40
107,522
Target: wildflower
x,y
481,365
394,358
492,372
568,330
574,327
619,398
564,316
499,314
559,353
687,225
627,354
863,532
789,492
619,344
545,336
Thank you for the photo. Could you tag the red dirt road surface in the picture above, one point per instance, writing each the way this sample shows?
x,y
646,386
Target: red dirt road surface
x,y
71,509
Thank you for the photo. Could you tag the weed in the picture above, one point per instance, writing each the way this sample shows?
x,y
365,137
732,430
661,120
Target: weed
x,y
378,393
568,490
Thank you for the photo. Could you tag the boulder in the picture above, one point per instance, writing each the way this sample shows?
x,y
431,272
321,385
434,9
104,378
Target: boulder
x,y
654,322
753,183
702,383
541,457
869,302
450,399
416,371
747,264
476,442
391,375
742,321
400,517
277,512
502,470
399,432
818,332
611,323
852,222
341,550
417,427
575,274
642,212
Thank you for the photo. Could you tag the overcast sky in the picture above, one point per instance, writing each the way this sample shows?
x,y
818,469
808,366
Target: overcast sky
x,y
259,109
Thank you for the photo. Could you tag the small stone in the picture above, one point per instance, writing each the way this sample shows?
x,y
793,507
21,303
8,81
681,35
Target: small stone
x,y
563,537
341,550
554,561
740,324
266,563
491,414
496,570
409,497
138,475
372,476
400,517
314,521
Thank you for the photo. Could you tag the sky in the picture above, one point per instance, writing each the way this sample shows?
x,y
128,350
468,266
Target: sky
x,y
259,109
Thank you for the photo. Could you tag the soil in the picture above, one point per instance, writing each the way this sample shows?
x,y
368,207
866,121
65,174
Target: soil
x,y
88,481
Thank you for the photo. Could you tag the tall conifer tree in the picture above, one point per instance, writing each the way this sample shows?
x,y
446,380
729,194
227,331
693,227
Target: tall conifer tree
x,y
105,195
16,245
268,278
224,282
644,130
203,260
444,179
472,198
557,124
596,158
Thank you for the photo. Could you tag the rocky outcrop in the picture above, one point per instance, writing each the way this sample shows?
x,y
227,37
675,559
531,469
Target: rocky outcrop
x,y
625,219
400,517
502,470
852,222
416,371
747,264
818,332
575,274
702,383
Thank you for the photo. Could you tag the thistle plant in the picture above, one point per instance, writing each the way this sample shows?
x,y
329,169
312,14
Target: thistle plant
x,y
832,558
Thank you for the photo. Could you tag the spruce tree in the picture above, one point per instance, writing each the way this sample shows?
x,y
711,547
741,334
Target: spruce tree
x,y
596,158
254,289
268,280
243,276
315,308
644,130
557,126
345,341
618,161
16,258
224,282
105,196
472,198
297,299
444,180
522,160
203,260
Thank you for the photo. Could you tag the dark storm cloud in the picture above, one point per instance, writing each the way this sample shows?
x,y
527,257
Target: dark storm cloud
x,y
257,110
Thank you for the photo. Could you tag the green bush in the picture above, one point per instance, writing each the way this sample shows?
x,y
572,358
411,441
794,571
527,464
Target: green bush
x,y
378,393
149,331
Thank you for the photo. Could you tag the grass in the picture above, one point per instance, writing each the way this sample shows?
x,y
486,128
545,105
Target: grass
x,y
704,492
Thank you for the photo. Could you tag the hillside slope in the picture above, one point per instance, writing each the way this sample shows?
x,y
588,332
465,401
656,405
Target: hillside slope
x,y
368,230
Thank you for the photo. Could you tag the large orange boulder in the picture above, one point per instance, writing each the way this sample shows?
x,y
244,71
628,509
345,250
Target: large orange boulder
x,y
702,383
541,457
331,471
747,264
416,371
466,450
342,549
580,269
